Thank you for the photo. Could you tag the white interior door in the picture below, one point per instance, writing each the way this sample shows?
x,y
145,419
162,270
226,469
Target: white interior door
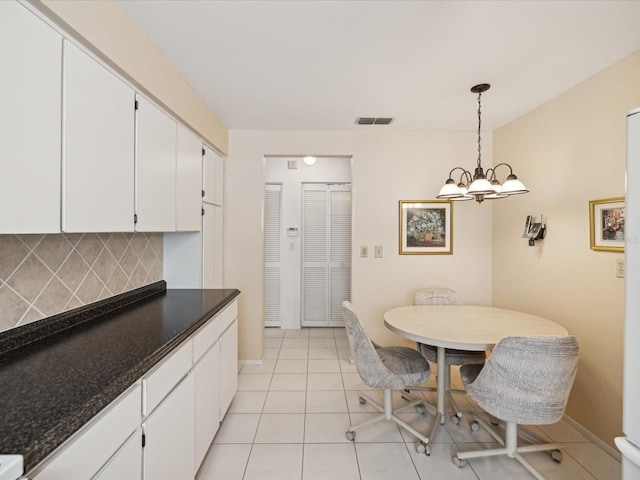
x,y
272,249
326,253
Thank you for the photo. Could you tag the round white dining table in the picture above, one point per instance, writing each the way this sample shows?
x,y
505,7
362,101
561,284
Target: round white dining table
x,y
463,327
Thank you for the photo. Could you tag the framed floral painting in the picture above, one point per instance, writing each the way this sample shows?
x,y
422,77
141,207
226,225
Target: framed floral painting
x,y
426,227
607,221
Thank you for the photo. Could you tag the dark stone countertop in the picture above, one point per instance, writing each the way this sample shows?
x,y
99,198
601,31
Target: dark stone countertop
x,y
58,373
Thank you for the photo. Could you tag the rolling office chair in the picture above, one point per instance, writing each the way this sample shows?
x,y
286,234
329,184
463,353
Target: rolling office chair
x,y
388,368
526,380
445,296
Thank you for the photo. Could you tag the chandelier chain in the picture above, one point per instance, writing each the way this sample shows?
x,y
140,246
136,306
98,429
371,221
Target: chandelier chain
x,y
479,124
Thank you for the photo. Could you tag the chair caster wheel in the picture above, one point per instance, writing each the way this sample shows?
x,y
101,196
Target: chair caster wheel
x,y
422,447
458,462
475,426
362,400
420,409
351,436
556,455
455,419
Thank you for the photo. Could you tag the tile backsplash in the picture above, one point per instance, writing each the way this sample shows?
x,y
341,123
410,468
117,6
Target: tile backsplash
x,y
42,275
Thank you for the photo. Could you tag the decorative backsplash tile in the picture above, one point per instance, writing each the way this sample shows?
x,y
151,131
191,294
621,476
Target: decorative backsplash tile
x,y
42,275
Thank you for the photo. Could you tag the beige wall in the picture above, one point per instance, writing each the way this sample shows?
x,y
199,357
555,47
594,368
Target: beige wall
x,y
569,151
386,168
103,27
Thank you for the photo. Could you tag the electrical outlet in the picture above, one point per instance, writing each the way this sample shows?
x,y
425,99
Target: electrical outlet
x,y
364,251
378,251
292,244
620,267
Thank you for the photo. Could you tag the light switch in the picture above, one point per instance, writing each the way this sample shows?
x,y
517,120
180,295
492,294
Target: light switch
x,y
364,251
378,251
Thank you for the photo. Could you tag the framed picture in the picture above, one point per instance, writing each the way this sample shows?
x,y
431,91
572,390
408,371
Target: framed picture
x,y
606,222
426,227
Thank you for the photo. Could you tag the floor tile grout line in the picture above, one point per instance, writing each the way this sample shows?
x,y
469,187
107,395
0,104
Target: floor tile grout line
x,y
457,444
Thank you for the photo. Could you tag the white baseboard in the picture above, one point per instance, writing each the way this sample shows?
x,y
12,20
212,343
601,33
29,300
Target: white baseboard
x,y
594,438
251,362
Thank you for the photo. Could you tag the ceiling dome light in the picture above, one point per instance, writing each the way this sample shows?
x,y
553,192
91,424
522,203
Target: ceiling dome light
x,y
309,160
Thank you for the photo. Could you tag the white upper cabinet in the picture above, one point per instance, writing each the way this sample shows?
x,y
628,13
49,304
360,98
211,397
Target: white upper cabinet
x,y
188,181
155,169
213,176
30,124
98,147
212,260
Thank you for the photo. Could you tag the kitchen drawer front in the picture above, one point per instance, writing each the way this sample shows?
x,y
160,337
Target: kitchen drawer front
x,y
157,384
228,315
99,440
206,337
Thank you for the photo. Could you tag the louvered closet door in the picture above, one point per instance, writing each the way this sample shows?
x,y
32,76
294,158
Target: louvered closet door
x,y
272,235
326,251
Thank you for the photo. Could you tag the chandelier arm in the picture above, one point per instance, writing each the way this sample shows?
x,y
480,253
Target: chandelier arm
x,y
466,174
506,164
457,168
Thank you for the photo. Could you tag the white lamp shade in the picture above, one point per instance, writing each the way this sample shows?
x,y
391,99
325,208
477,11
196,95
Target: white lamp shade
x,y
513,187
497,192
481,186
492,196
462,198
450,190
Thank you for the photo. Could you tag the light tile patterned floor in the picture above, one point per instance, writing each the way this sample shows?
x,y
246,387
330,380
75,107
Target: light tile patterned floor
x,y
289,417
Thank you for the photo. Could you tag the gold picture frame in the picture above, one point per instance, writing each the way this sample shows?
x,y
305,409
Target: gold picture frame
x,y
606,224
426,227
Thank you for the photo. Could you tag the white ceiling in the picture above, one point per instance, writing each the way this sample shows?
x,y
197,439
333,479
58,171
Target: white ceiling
x,y
317,65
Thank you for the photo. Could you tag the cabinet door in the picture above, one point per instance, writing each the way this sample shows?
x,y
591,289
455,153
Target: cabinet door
x,y
228,366
84,455
30,122
169,436
155,169
188,181
126,464
212,246
207,405
98,147
213,176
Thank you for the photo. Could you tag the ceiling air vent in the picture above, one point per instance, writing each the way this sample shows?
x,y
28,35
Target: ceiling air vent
x,y
373,120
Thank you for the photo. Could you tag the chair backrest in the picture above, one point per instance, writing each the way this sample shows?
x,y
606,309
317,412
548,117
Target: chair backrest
x,y
370,368
527,380
436,296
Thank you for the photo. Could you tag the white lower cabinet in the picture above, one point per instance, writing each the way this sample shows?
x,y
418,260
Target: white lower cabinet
x,y
169,436
126,463
162,427
93,448
207,401
228,366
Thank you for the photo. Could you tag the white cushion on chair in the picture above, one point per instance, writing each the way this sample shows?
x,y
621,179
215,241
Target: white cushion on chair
x,y
527,380
395,368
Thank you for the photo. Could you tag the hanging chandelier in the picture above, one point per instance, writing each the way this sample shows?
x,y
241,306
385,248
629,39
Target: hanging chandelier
x,y
479,185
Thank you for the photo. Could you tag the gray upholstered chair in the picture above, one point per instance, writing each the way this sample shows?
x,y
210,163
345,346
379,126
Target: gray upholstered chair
x,y
445,296
387,368
526,380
